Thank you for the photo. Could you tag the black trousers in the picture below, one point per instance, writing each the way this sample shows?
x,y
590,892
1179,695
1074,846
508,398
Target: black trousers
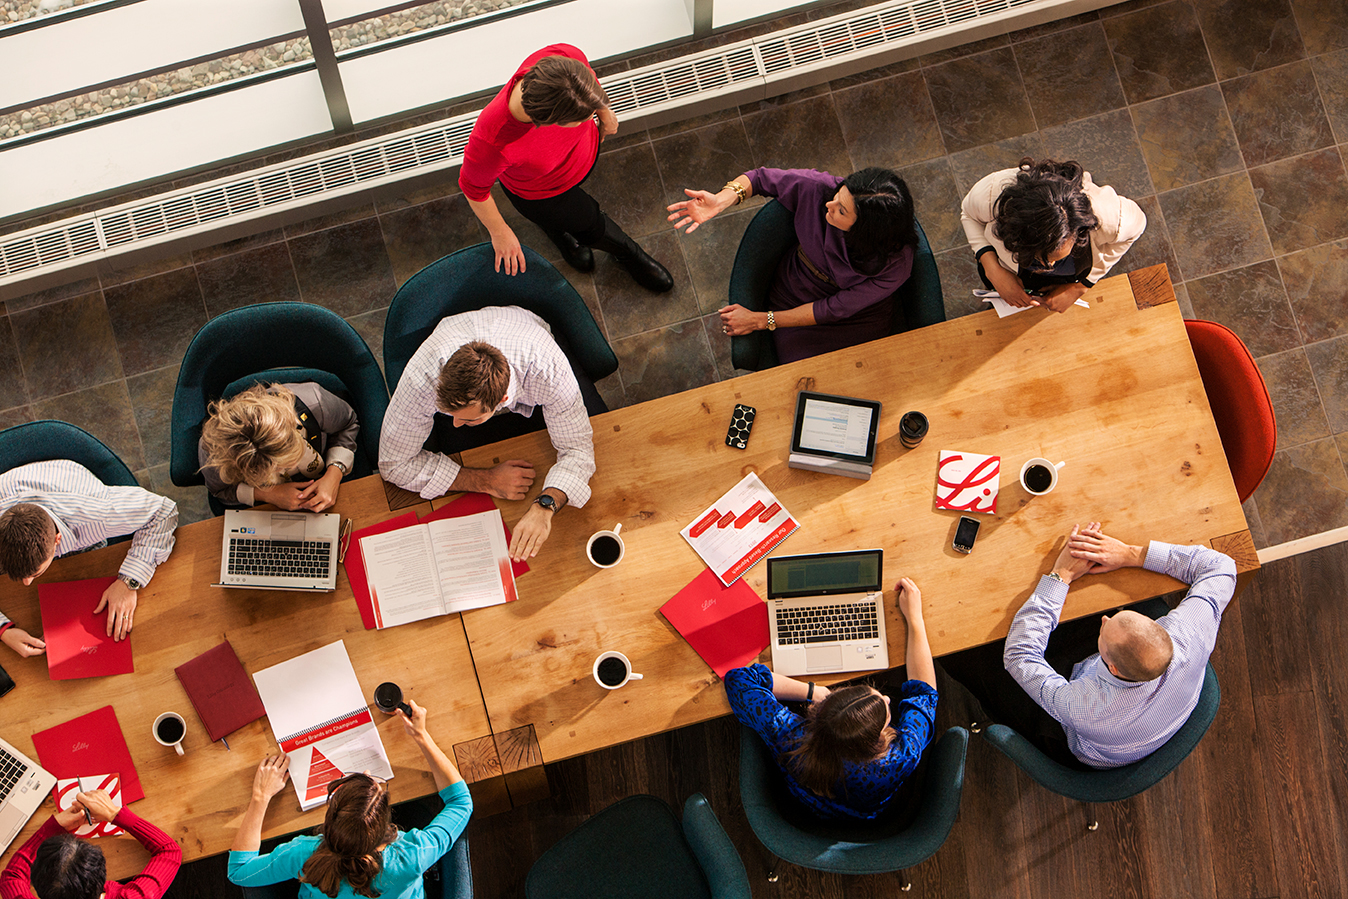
x,y
573,211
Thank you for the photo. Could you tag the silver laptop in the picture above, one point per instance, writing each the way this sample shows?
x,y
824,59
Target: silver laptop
x,y
280,550
23,786
826,614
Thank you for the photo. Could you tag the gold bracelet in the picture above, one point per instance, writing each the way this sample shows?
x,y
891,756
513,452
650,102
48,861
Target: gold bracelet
x,y
738,189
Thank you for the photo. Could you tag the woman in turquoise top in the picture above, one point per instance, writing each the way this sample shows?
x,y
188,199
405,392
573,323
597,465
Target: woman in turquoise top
x,y
360,852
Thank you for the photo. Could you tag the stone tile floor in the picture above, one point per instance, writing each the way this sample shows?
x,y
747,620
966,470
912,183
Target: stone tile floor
x,y
1227,120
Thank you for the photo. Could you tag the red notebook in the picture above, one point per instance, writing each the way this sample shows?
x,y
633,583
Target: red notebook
x,y
221,691
727,626
471,504
355,564
77,640
89,744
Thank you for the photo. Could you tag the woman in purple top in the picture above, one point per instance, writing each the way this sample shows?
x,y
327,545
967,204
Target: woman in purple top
x,y
857,239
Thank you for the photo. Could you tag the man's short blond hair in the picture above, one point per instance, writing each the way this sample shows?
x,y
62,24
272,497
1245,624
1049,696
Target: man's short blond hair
x,y
27,540
477,372
254,438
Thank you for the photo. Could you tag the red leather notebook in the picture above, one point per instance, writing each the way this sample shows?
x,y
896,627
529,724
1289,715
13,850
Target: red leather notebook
x,y
90,744
471,504
77,640
221,691
727,626
355,564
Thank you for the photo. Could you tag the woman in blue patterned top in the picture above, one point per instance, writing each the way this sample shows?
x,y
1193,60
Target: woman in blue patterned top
x,y
848,756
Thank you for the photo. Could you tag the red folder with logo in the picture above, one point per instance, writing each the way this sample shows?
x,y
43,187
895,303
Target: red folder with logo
x,y
77,640
221,691
89,744
727,626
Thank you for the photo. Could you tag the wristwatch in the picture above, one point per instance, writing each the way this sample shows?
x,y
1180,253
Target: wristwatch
x,y
546,502
772,322
132,583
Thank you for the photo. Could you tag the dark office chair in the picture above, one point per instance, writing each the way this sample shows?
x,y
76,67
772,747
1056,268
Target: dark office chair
x,y
466,281
769,237
1111,784
1240,402
636,847
449,878
42,441
274,342
792,834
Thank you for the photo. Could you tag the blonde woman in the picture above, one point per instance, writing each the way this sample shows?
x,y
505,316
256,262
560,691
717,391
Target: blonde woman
x,y
288,444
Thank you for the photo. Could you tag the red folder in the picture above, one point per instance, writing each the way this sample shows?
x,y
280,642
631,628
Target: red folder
x,y
77,640
89,744
355,564
727,626
471,504
221,691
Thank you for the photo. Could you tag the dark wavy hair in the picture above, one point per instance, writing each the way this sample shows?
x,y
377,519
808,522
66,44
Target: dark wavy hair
x,y
848,725
1042,208
559,90
885,222
66,867
357,824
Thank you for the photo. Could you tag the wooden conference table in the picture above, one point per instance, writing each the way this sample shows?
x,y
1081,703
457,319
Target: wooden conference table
x,y
1113,390
199,798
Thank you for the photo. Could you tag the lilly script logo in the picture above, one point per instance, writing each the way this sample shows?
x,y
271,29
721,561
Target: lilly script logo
x,y
89,650
76,747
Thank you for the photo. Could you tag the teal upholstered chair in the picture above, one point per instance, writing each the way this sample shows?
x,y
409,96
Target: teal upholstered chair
x,y
42,441
792,834
1110,784
769,237
637,848
271,342
450,878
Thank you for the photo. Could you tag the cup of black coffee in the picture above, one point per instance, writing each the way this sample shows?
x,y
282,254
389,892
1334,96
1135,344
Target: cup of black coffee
x,y
612,670
388,698
912,428
169,730
1039,476
605,548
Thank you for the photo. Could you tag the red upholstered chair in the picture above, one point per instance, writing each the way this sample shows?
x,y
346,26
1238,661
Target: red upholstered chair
x,y
1239,400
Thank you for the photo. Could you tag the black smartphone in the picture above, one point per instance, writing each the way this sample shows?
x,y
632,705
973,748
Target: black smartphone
x,y
966,534
6,682
741,423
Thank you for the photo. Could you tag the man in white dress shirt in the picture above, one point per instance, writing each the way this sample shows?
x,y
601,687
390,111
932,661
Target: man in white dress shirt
x,y
475,366
50,509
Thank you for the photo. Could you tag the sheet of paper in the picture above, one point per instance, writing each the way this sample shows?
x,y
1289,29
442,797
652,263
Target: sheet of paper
x,y
740,528
473,559
471,504
403,583
1004,308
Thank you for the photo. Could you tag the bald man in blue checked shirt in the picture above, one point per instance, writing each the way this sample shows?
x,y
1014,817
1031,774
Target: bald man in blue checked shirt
x,y
1124,701
51,509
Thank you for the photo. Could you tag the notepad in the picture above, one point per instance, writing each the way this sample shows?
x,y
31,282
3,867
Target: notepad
x,y
77,640
222,694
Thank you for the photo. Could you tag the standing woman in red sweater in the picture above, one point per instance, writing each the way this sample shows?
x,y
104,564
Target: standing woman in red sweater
x,y
540,136
55,864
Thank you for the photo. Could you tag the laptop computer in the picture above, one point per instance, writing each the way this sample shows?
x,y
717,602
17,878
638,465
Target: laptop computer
x,y
280,550
825,612
23,786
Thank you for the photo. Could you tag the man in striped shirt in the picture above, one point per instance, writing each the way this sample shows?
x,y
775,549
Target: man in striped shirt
x,y
51,509
1124,701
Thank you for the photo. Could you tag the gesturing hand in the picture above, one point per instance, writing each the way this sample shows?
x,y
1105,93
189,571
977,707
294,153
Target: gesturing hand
x,y
699,208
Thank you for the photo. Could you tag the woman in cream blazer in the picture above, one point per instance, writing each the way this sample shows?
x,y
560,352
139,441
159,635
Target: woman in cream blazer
x,y
1043,233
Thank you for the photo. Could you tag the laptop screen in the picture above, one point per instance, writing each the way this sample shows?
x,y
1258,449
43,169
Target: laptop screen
x,y
825,574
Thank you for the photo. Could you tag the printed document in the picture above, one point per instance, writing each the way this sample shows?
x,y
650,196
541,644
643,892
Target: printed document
x,y
739,529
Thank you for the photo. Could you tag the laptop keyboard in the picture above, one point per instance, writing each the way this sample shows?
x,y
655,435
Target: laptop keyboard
x,y
12,770
827,624
274,558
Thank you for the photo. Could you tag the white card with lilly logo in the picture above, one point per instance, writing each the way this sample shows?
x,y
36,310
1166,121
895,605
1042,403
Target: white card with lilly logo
x,y
968,482
69,787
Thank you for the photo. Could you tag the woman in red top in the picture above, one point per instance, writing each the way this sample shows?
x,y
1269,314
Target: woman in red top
x,y
55,864
540,137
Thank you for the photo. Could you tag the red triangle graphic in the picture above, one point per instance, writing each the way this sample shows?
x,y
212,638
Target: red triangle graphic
x,y
321,773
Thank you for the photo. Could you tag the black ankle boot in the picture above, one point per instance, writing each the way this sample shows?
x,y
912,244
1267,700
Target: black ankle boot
x,y
643,269
579,257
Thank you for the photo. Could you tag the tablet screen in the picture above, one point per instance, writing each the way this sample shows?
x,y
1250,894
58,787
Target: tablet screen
x,y
835,426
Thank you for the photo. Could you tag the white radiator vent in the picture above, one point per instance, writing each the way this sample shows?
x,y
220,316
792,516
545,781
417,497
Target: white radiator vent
x,y
734,68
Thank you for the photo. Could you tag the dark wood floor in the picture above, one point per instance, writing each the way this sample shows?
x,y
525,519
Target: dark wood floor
x,y
1254,813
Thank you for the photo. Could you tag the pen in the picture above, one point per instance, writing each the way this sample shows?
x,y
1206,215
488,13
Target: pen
x,y
87,816
344,541
226,742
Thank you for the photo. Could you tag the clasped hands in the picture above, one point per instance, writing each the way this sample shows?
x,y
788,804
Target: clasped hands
x,y
1090,551
99,805
304,496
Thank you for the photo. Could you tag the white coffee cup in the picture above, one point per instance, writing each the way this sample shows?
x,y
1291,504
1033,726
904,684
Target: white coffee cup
x,y
1052,469
168,720
603,656
605,546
